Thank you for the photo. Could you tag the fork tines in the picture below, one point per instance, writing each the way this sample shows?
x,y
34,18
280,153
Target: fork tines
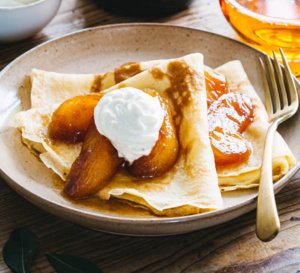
x,y
282,93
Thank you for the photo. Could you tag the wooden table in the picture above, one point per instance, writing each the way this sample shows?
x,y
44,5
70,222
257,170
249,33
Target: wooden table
x,y
230,247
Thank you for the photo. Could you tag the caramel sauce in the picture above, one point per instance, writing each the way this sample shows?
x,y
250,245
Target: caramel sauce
x,y
126,71
96,85
121,73
157,73
113,206
180,76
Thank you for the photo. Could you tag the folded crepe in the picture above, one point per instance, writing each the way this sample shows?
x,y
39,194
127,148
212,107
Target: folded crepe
x,y
247,174
191,186
49,88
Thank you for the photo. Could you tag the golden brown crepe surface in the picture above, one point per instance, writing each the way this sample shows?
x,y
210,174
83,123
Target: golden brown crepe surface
x,y
49,88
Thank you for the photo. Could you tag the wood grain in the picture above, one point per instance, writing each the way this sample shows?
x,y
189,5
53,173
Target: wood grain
x,y
230,247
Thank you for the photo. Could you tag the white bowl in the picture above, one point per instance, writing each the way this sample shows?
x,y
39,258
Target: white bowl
x,y
20,22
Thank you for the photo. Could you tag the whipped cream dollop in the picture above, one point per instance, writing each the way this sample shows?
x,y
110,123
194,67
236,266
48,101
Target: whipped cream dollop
x,y
131,120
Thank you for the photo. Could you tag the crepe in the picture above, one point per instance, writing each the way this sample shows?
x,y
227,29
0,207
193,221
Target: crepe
x,y
247,174
191,186
49,88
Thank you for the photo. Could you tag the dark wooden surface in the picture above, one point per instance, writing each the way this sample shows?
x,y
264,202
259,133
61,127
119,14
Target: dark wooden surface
x,y
230,247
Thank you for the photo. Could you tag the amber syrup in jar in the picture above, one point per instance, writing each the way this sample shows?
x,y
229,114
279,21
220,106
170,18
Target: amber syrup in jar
x,y
267,25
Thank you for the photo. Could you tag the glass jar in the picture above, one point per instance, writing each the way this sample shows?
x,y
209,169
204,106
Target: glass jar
x,y
267,25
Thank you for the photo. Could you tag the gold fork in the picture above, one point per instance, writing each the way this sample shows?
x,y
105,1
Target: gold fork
x,y
281,100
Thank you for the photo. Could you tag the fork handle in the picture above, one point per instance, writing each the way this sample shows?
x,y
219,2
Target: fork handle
x,y
267,220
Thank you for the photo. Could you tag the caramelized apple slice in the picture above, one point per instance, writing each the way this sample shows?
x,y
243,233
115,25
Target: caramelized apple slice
x,y
228,117
71,119
164,153
94,167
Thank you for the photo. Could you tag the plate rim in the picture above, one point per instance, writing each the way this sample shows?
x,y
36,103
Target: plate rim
x,y
156,219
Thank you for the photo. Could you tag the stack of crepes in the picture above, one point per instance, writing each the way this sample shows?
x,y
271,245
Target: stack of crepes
x,y
193,185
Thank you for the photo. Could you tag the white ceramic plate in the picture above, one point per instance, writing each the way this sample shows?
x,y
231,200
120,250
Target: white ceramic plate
x,y
98,50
